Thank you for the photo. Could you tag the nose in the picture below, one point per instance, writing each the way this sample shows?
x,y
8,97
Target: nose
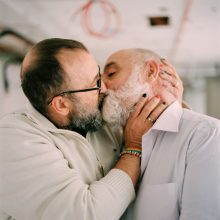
x,y
105,80
103,87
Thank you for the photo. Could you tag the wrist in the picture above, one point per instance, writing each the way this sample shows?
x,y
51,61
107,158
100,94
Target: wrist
x,y
133,145
132,152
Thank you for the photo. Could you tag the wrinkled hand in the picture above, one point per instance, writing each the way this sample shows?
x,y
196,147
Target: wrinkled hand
x,y
142,119
170,80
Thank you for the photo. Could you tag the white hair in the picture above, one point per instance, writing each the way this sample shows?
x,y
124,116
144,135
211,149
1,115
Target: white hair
x,y
120,103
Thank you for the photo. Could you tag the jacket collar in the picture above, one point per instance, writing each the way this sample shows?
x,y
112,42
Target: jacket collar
x,y
46,124
38,118
43,122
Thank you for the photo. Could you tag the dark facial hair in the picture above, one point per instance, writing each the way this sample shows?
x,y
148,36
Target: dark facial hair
x,y
91,123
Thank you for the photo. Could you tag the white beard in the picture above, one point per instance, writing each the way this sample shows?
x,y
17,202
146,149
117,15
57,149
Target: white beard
x,y
118,104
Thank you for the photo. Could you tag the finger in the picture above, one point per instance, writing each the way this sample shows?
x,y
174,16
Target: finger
x,y
149,107
165,75
171,71
170,75
177,92
170,78
156,112
170,88
169,68
139,106
168,71
166,63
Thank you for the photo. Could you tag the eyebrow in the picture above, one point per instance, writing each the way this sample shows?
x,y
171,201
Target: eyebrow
x,y
109,65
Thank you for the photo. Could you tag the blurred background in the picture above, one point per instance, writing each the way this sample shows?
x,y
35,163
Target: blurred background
x,y
186,32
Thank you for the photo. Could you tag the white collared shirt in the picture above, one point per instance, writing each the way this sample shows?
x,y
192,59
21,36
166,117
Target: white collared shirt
x,y
180,168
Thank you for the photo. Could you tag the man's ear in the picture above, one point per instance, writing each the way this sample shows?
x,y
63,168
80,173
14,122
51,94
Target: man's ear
x,y
151,71
60,105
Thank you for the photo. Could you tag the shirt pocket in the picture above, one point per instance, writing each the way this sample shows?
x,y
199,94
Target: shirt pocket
x,y
157,202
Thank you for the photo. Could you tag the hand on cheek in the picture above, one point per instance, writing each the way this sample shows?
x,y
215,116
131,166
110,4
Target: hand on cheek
x,y
171,81
145,113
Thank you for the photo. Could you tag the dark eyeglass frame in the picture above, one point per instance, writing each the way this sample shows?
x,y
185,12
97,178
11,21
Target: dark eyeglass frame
x,y
99,85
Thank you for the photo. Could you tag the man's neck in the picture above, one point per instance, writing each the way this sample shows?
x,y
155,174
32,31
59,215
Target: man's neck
x,y
80,131
75,129
62,125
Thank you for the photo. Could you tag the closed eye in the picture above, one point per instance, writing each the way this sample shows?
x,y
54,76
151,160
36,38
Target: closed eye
x,y
110,74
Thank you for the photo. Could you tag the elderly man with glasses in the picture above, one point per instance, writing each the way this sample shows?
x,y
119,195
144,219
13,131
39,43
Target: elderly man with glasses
x,y
51,165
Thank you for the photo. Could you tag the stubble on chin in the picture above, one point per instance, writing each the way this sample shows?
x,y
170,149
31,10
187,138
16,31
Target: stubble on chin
x,y
85,118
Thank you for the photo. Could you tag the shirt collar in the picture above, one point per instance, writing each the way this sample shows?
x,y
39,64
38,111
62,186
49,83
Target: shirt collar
x,y
169,119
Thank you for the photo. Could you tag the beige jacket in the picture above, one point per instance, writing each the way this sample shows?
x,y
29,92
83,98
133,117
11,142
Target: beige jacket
x,y
53,174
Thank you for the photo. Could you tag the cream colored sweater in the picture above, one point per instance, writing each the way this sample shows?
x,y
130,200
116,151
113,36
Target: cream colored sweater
x,y
53,174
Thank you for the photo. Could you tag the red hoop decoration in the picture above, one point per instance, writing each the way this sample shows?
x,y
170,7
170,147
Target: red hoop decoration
x,y
110,13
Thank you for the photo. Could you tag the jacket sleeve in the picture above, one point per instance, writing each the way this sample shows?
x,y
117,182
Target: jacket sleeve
x,y
37,183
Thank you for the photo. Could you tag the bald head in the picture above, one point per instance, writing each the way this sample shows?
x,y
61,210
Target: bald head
x,y
121,64
30,59
133,56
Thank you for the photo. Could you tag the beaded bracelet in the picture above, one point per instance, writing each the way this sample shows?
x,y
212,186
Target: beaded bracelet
x,y
136,153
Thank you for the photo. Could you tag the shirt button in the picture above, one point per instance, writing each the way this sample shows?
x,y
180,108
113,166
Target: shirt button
x,y
115,150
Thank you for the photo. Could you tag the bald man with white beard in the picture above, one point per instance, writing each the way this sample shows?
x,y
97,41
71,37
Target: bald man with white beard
x,y
180,163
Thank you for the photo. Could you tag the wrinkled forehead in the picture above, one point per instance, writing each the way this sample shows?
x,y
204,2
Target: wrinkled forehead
x,y
121,59
117,70
122,56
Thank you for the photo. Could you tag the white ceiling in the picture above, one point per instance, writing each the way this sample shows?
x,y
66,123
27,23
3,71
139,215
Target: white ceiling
x,y
192,40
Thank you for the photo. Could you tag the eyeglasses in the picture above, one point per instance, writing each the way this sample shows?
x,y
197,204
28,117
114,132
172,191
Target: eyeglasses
x,y
99,85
